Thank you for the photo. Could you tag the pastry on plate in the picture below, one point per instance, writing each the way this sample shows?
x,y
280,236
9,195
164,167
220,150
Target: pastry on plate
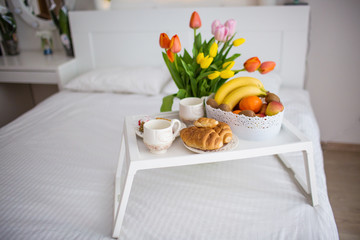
x,y
207,134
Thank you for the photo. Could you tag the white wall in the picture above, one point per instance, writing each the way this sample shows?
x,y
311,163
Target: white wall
x,y
333,68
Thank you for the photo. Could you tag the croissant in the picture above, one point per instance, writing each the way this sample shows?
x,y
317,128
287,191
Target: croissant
x,y
224,132
206,122
201,138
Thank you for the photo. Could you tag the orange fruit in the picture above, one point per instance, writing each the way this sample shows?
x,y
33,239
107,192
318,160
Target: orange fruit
x,y
252,103
236,111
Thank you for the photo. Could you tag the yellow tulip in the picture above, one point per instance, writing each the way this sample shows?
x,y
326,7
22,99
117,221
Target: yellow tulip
x,y
238,42
213,50
199,58
205,63
227,74
228,65
214,75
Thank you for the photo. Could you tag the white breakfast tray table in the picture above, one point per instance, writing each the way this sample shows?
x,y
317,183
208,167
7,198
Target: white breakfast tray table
x,y
135,156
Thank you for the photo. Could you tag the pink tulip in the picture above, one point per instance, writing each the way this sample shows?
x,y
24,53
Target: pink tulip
x,y
214,25
221,33
231,25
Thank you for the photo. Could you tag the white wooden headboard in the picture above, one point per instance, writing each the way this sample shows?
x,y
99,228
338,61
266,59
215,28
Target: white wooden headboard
x,y
131,37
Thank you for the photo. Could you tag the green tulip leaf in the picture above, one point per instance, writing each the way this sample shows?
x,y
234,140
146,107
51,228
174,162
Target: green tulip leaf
x,y
198,41
203,89
174,74
182,93
233,57
193,83
203,75
167,103
188,72
187,58
195,51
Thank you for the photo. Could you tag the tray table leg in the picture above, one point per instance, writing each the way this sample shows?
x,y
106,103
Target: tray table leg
x,y
120,167
310,185
310,174
122,205
123,183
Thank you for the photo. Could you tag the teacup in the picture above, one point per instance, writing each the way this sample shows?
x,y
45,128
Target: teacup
x,y
191,109
159,134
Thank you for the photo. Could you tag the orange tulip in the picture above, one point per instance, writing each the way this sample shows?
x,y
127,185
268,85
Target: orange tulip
x,y
252,64
266,67
164,41
175,44
195,21
170,55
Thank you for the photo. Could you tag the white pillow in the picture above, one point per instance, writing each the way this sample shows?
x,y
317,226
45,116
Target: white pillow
x,y
141,80
272,82
170,88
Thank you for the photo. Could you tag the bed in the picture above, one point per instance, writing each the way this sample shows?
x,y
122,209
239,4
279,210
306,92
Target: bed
x,y
58,161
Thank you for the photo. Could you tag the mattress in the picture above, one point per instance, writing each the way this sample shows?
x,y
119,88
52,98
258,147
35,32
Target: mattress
x,y
58,163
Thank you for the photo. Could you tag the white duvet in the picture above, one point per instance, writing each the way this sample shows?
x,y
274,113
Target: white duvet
x,y
57,168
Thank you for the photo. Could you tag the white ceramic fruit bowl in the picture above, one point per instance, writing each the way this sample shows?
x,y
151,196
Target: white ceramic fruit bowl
x,y
248,128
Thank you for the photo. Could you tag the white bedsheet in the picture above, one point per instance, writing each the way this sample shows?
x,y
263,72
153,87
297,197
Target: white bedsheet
x,y
57,167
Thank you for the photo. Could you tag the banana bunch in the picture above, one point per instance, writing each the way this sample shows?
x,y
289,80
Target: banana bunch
x,y
233,91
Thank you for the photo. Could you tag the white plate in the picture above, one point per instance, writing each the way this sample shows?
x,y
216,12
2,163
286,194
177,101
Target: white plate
x,y
140,134
229,146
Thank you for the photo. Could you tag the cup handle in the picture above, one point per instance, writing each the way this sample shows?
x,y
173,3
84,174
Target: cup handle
x,y
177,129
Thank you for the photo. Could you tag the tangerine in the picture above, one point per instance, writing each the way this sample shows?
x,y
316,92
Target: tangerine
x,y
252,103
236,111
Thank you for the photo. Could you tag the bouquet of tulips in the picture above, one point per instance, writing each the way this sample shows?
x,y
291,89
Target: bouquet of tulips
x,y
209,66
